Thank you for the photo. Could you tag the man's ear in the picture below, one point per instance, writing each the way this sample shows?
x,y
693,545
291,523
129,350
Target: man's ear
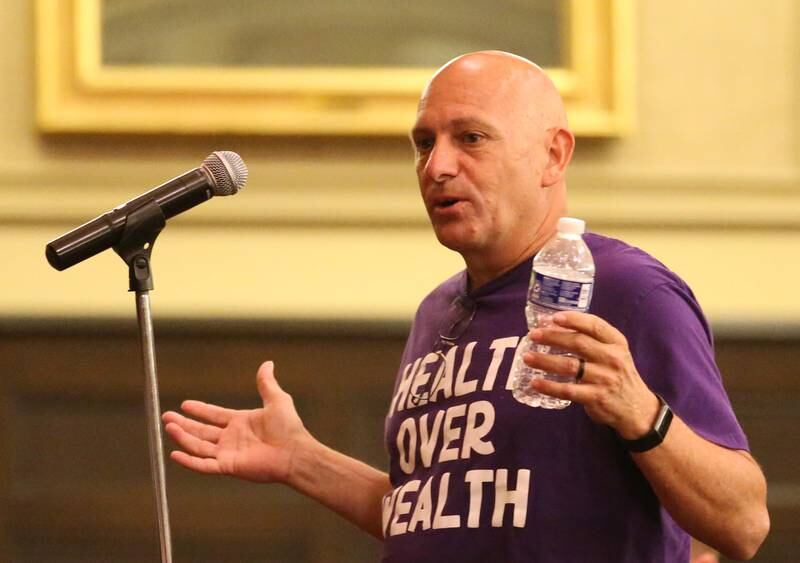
x,y
559,153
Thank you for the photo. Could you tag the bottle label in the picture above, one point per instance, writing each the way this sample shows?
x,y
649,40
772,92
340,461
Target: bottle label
x,y
556,293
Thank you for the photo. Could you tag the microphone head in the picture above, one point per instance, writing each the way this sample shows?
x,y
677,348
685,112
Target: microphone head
x,y
227,171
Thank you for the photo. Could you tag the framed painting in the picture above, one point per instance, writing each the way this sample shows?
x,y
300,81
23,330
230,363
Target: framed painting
x,y
296,68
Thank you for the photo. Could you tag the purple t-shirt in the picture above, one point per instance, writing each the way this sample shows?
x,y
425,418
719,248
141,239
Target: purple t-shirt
x,y
478,476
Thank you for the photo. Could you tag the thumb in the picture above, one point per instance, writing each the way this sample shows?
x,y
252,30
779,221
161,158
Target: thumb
x,y
268,386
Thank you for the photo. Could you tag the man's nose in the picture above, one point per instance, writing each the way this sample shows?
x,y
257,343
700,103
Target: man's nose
x,y
442,161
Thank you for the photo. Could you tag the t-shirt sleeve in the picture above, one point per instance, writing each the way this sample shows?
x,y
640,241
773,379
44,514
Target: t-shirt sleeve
x,y
672,347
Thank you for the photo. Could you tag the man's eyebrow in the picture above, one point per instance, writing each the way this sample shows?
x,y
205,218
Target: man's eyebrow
x,y
458,124
473,122
417,131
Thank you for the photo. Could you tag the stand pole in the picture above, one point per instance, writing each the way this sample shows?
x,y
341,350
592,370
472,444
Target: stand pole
x,y
135,247
153,414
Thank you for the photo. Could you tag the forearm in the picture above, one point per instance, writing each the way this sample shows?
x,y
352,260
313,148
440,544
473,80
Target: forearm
x,y
347,486
716,494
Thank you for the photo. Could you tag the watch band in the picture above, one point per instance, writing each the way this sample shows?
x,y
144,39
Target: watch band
x,y
656,434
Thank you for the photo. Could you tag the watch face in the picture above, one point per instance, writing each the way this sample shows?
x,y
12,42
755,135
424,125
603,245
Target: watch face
x,y
664,420
662,415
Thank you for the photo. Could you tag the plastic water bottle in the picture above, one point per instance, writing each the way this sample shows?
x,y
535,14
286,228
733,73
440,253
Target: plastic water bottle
x,y
562,279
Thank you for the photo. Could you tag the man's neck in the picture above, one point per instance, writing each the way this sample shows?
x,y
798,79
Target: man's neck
x,y
485,266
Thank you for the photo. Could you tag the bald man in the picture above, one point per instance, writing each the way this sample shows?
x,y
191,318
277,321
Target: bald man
x,y
475,475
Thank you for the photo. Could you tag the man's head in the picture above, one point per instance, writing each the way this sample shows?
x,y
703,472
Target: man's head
x,y
492,146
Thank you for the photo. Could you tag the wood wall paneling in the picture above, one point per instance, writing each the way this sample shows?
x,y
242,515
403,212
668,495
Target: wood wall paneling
x,y
74,469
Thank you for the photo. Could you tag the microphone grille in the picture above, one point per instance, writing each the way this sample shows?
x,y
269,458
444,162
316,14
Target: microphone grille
x,y
227,170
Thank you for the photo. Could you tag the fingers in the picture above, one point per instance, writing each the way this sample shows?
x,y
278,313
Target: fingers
x,y
201,465
192,444
198,439
207,412
579,344
576,393
568,366
590,325
207,432
585,335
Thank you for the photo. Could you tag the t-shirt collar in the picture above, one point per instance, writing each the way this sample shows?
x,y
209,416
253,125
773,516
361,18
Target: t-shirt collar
x,y
521,271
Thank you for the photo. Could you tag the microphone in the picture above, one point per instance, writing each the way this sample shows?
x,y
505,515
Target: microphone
x,y
221,173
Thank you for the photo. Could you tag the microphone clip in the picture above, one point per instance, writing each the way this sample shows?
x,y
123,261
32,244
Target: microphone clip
x,y
142,227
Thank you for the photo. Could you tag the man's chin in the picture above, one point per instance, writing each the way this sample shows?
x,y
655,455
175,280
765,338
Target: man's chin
x,y
457,241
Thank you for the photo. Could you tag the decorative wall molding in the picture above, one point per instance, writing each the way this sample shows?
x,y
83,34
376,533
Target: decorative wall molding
x,y
353,194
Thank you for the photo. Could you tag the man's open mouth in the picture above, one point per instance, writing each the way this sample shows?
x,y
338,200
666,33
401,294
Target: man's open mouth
x,y
447,203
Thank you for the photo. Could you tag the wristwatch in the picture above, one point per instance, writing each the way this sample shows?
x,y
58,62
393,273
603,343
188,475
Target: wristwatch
x,y
656,434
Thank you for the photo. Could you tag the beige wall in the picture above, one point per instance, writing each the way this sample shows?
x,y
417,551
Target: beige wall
x,y
709,182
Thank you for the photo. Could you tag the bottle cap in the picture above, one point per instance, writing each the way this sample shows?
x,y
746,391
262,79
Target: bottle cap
x,y
572,226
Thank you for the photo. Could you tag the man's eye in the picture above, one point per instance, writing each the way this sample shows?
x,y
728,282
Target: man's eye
x,y
423,145
472,138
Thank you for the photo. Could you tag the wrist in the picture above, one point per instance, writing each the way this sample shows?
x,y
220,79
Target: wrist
x,y
642,419
656,433
305,451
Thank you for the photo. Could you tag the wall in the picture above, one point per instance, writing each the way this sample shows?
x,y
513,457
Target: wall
x,y
708,182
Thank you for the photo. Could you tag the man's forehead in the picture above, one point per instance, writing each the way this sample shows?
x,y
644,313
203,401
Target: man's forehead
x,y
454,107
464,87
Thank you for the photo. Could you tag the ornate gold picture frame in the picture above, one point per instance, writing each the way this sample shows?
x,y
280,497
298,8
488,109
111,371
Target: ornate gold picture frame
x,y
76,93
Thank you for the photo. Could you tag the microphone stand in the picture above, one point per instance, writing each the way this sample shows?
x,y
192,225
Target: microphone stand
x,y
141,229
